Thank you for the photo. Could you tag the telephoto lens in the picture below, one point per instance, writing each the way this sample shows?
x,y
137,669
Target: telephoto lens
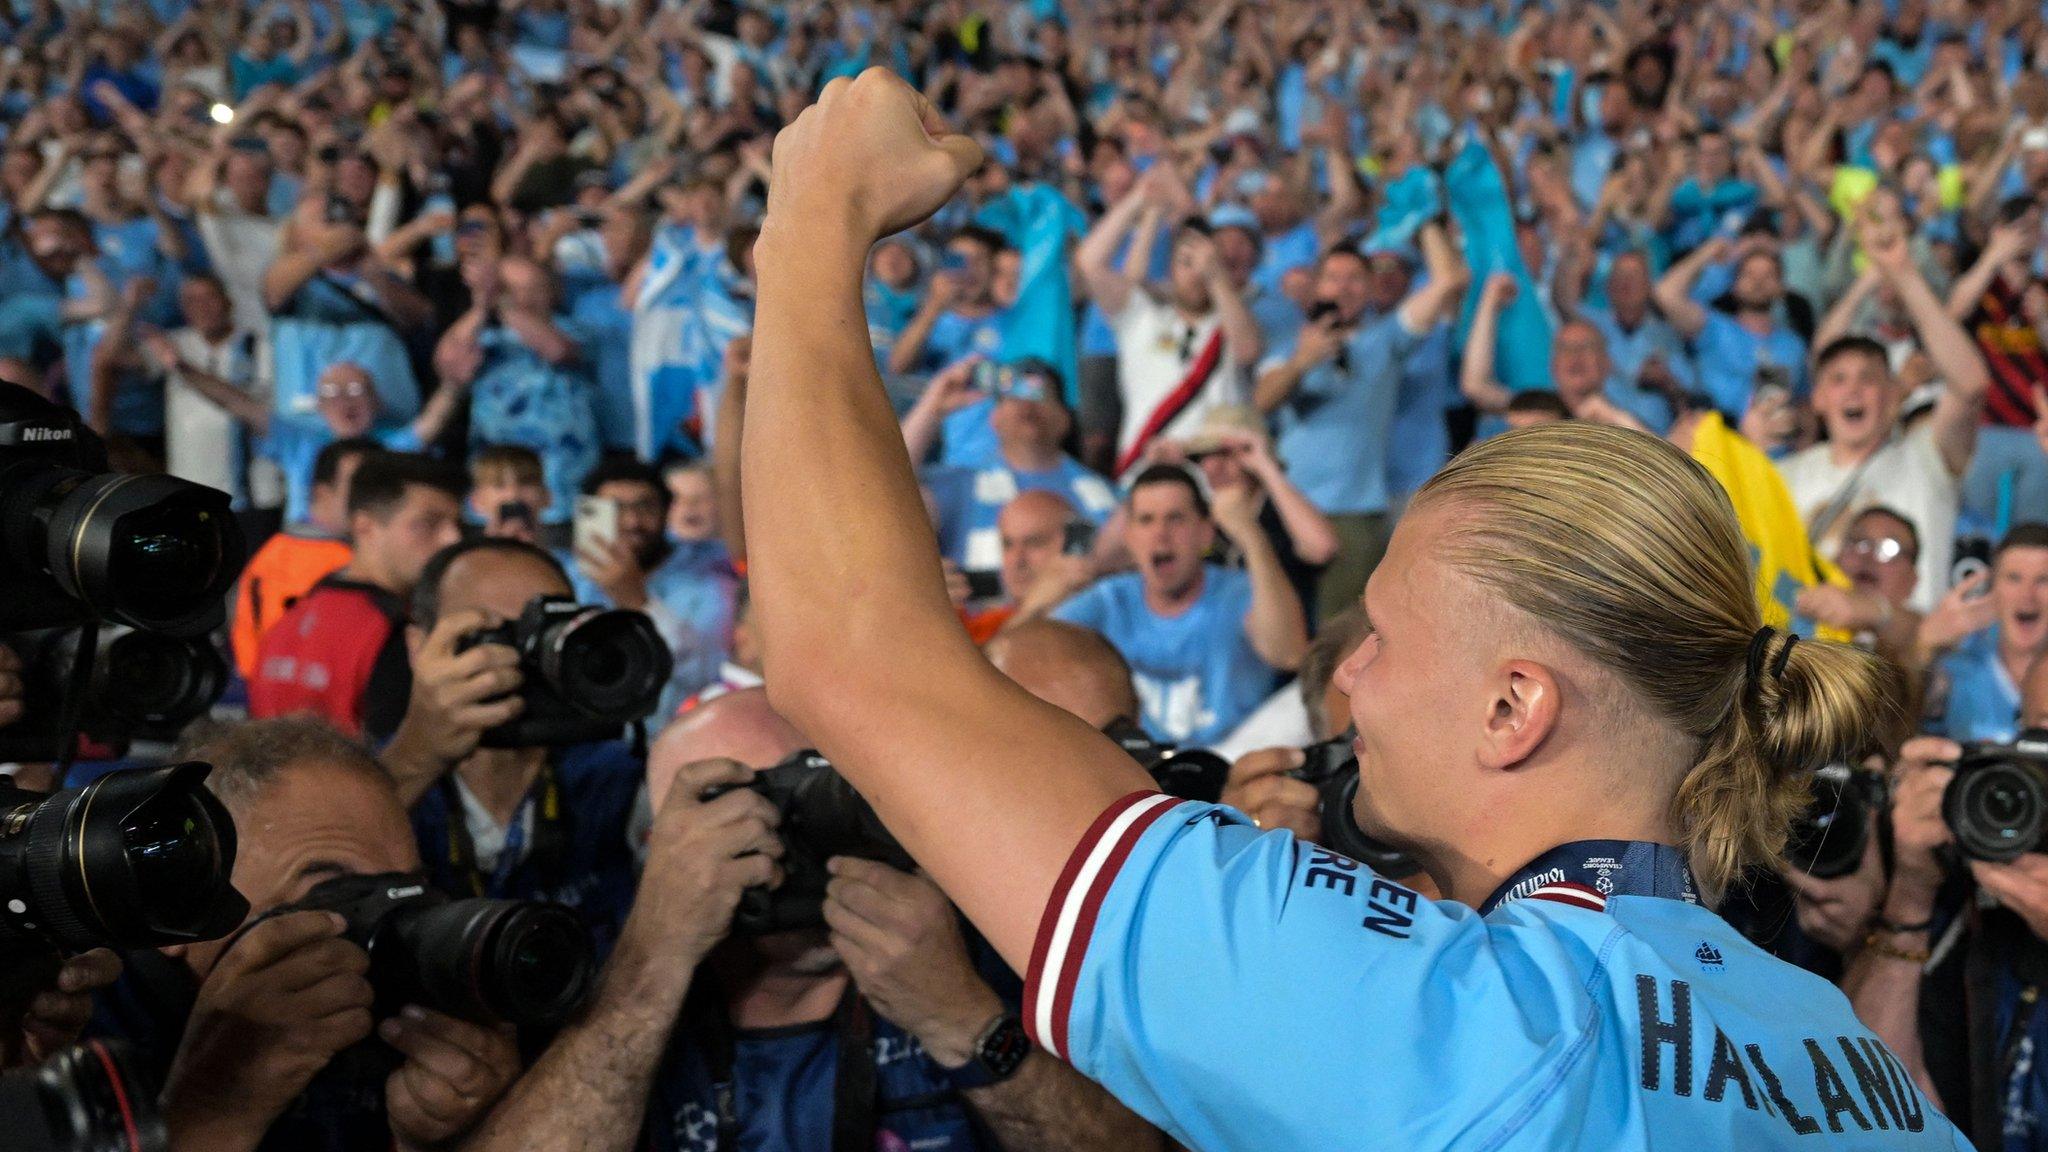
x,y
78,541
84,1099
522,962
1996,806
1829,838
139,858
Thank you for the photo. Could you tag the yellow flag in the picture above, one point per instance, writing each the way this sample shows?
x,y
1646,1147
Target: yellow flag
x,y
1785,559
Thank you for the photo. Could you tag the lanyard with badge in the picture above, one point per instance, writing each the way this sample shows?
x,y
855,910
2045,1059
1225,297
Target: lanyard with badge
x,y
543,802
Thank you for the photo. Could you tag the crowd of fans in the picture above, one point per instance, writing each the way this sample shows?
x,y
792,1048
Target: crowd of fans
x,y
425,286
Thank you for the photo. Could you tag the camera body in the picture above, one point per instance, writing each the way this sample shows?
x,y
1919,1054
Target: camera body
x,y
78,542
1829,838
822,817
1332,768
588,672
1188,773
1996,806
488,961
141,684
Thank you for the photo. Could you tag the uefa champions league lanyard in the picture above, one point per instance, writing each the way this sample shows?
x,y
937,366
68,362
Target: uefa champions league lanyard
x,y
1608,867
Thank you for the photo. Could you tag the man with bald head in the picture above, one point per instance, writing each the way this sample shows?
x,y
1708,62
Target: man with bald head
x,y
888,972
1069,667
1036,571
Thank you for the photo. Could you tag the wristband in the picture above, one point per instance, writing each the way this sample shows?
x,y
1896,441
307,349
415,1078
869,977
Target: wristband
x,y
1876,942
999,1051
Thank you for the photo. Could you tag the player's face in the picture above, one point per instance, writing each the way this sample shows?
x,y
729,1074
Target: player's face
x,y
1407,685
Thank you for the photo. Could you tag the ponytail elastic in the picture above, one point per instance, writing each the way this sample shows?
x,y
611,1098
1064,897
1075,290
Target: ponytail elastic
x,y
1760,646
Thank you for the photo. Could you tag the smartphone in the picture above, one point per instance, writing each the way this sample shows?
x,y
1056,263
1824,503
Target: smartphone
x,y
1079,538
990,377
984,585
597,525
516,512
1972,556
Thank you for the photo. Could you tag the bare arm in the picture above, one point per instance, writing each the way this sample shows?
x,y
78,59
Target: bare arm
x,y
1448,277
241,405
856,166
1108,285
1049,1107
2006,242
301,255
1476,379
459,356
1674,290
909,346
1275,625
539,332
1836,323
725,451
1964,376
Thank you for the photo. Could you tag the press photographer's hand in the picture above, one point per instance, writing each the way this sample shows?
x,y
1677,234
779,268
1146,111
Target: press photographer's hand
x,y
280,1002
870,158
1259,786
57,1013
1918,832
458,696
10,686
701,856
900,938
453,1072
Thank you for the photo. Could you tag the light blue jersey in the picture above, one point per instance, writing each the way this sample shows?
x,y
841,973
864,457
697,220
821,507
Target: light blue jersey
x,y
1977,697
971,499
1247,990
1197,674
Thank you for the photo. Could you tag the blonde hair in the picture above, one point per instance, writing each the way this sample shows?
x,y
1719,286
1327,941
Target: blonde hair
x,y
1621,546
505,464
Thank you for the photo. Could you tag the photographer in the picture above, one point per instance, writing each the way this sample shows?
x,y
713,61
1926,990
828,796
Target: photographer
x,y
339,652
1204,640
243,1032
689,1015
1951,983
526,822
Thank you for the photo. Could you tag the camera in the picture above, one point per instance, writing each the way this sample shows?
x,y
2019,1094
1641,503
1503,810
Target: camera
x,y
78,542
588,672
1828,839
1332,768
87,1097
1188,773
1996,806
822,817
487,961
138,684
136,859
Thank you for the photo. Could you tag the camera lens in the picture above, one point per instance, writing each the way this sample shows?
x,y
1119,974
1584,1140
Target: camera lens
x,y
155,552
84,1099
1828,838
146,678
611,666
1996,811
136,859
490,961
1342,834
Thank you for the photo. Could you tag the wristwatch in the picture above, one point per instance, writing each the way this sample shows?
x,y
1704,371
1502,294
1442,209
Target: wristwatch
x,y
998,1052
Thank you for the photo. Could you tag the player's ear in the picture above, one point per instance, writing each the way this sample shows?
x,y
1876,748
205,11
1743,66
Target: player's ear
x,y
1522,709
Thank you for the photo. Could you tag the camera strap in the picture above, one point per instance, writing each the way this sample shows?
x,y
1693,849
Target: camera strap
x,y
548,808
853,1084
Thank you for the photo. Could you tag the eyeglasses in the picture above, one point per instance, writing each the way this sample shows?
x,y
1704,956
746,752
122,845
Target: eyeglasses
x,y
1884,549
337,389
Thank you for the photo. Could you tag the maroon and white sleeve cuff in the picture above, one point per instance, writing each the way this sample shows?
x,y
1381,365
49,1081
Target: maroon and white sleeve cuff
x,y
1069,918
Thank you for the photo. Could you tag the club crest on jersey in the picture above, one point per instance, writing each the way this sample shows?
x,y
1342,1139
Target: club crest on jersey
x,y
1709,957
